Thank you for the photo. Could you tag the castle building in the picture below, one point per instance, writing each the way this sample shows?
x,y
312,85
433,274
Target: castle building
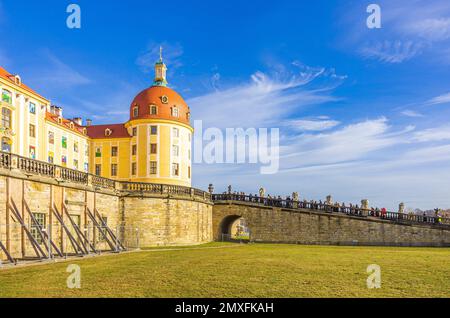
x,y
154,145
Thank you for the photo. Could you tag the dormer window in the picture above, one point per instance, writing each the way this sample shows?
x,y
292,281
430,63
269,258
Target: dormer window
x,y
175,111
17,80
135,111
188,116
153,110
71,125
84,131
108,132
59,120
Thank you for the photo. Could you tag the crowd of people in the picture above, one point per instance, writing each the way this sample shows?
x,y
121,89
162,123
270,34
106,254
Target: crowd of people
x,y
330,207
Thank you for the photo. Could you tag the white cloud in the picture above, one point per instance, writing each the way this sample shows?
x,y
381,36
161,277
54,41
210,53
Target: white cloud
x,y
171,55
411,113
313,125
442,99
433,134
264,101
392,51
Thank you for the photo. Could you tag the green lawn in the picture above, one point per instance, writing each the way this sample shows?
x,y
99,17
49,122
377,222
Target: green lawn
x,y
224,270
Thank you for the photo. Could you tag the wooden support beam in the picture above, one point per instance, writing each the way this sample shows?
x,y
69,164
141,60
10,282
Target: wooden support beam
x,y
111,233
12,260
44,235
36,247
80,233
102,231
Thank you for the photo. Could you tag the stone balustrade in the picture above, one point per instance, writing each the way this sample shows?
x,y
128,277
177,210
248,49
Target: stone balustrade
x,y
29,166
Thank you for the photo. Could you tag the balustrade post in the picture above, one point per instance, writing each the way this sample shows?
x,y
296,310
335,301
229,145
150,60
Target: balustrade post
x,y
90,180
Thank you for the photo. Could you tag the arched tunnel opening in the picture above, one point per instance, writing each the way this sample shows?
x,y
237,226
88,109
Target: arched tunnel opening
x,y
234,228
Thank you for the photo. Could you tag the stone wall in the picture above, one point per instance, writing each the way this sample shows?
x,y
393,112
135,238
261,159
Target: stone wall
x,y
137,220
169,221
268,224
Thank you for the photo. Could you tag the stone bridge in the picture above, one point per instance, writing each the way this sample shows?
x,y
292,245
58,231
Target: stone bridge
x,y
312,223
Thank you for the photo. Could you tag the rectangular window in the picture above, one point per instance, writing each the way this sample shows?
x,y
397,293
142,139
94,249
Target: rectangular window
x,y
32,131
135,111
98,170
189,172
75,146
64,161
175,111
175,169
98,152
153,167
134,131
153,110
133,168
133,150
6,96
114,170
86,167
153,149
51,157
51,137
41,224
175,150
75,164
114,151
32,108
32,152
153,130
6,118
64,142
176,132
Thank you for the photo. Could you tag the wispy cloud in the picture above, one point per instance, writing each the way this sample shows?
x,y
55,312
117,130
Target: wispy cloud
x,y
441,99
313,125
171,54
392,51
411,113
409,29
433,134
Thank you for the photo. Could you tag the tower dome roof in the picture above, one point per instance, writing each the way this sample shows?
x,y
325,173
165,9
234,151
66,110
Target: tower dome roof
x,y
159,101
169,105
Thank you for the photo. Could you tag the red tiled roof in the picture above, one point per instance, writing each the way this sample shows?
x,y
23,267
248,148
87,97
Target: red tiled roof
x,y
64,122
10,77
98,131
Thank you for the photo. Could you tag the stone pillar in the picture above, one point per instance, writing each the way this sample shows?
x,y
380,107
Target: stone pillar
x,y
401,208
262,192
295,200
365,204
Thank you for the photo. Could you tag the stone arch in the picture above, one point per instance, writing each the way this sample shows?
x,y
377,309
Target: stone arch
x,y
227,227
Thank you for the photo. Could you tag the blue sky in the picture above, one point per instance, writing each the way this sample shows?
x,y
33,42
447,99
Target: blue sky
x,y
362,113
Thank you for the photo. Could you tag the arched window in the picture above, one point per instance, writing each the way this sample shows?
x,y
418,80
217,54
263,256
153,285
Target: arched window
x,y
6,144
153,110
175,112
6,96
6,118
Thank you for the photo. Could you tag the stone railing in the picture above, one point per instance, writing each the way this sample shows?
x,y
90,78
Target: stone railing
x,y
34,167
333,208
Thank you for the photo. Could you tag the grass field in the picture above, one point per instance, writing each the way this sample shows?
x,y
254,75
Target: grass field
x,y
224,270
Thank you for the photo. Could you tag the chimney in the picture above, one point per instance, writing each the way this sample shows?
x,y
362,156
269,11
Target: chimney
x,y
78,121
88,122
56,110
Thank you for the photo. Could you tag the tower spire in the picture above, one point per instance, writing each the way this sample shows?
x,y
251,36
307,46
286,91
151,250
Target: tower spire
x,y
160,71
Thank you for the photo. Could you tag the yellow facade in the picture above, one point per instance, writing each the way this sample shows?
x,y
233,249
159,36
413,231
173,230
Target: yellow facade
x,y
153,149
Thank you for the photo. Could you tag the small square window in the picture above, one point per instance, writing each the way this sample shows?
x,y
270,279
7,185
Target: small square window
x,y
98,169
114,170
133,168
114,151
32,131
153,149
175,169
153,110
176,132
32,108
135,112
134,131
133,150
175,112
154,130
153,167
